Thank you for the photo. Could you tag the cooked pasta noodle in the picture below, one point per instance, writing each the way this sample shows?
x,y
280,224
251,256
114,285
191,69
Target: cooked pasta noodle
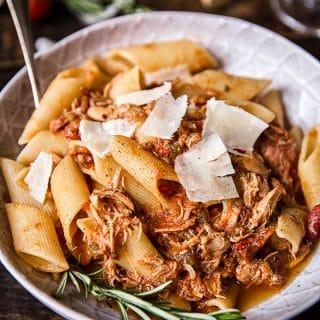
x,y
208,196
70,193
35,238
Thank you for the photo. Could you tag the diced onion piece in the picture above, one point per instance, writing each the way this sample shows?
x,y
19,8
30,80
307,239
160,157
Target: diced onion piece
x,y
38,176
202,171
166,74
238,129
143,96
96,135
165,118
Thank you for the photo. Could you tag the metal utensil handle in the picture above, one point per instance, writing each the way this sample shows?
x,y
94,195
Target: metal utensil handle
x,y
19,13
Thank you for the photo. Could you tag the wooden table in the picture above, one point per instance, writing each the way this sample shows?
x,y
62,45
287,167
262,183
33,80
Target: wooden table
x,y
15,302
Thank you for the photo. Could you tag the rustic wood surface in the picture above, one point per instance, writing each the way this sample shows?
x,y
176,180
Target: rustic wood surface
x,y
15,302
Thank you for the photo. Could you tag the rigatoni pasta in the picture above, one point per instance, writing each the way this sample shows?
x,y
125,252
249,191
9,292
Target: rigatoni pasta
x,y
309,169
150,57
207,196
43,141
19,194
70,193
142,165
35,238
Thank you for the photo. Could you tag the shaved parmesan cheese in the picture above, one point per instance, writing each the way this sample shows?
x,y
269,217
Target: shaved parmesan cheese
x,y
166,74
238,129
202,171
121,127
220,188
143,96
96,135
38,176
165,118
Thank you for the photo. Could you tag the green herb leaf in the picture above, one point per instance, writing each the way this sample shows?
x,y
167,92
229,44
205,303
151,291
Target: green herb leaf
x,y
61,285
122,311
74,282
95,272
227,314
193,315
138,311
83,277
133,300
155,290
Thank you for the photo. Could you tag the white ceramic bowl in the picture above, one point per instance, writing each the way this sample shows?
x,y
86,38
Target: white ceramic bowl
x,y
243,49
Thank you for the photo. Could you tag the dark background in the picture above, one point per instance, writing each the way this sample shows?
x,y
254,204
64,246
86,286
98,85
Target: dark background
x,y
15,302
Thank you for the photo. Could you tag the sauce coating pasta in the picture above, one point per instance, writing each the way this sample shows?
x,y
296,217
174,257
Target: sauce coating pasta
x,y
139,205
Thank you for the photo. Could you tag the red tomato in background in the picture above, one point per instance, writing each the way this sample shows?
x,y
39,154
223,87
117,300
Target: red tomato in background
x,y
39,9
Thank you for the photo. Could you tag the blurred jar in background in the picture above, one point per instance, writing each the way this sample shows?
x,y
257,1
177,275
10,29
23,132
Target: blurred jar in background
x,y
302,16
213,4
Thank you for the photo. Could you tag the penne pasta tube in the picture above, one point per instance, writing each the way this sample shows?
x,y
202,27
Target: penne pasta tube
x,y
70,193
126,82
97,75
145,168
190,89
35,238
103,172
43,141
54,101
100,171
254,108
308,168
115,64
20,176
145,199
18,194
153,56
228,86
290,226
135,253
227,299
57,98
272,100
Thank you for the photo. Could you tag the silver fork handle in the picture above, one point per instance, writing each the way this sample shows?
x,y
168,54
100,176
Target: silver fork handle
x,y
19,13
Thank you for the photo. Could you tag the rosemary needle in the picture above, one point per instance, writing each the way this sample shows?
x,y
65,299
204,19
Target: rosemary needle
x,y
135,300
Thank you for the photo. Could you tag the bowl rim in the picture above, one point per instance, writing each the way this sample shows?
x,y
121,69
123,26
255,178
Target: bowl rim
x,y
20,277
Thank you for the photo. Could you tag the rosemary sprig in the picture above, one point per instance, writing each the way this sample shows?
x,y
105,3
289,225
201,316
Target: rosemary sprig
x,y
134,301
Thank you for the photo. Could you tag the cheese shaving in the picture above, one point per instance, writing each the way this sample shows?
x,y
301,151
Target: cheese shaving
x,y
166,74
165,118
142,97
238,129
202,171
38,176
96,135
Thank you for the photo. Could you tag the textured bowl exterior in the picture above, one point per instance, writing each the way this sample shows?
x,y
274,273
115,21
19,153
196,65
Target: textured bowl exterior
x,y
243,49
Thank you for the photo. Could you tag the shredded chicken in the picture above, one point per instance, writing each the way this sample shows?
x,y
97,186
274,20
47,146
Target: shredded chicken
x,y
280,152
192,289
230,214
82,156
248,247
253,163
252,186
263,209
202,249
258,272
212,246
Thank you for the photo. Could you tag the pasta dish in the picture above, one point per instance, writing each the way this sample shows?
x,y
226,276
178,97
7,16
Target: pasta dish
x,y
154,165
